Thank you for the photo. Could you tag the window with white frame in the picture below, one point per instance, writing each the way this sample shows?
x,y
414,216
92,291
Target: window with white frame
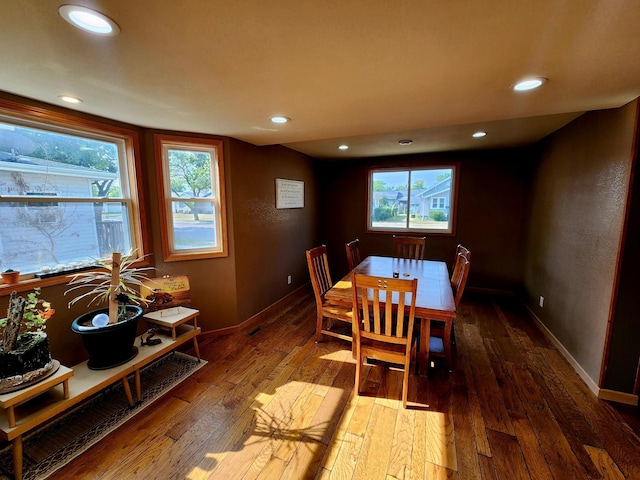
x,y
68,192
193,206
412,199
437,202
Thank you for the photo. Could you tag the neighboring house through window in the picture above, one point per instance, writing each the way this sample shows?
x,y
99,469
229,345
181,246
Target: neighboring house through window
x,y
412,200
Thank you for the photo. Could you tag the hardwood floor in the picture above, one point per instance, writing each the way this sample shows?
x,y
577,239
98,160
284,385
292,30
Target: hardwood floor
x,y
272,404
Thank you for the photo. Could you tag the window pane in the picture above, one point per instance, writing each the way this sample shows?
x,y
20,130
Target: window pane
x,y
193,225
411,200
389,199
40,163
430,199
190,173
36,160
49,235
193,207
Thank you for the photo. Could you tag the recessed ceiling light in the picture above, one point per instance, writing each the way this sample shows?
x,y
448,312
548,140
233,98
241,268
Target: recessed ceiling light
x,y
69,99
88,20
279,119
343,147
529,84
405,142
479,134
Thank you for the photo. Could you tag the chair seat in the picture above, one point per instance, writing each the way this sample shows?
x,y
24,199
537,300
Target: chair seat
x,y
436,346
339,312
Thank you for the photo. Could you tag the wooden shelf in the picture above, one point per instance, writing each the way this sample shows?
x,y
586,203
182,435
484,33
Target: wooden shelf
x,y
37,404
171,318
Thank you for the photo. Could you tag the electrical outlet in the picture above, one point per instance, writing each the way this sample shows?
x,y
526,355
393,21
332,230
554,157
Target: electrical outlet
x,y
541,302
289,280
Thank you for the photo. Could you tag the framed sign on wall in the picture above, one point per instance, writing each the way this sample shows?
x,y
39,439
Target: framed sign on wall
x,y
289,193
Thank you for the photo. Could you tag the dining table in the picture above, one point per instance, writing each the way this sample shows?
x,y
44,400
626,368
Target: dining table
x,y
434,299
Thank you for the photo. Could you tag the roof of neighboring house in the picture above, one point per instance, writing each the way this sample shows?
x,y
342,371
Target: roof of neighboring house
x,y
24,164
399,196
437,188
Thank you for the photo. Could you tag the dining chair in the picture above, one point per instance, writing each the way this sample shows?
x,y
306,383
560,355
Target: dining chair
x,y
382,331
460,249
410,248
321,282
353,253
441,333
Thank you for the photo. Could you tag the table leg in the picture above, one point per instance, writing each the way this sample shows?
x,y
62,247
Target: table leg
x,y
423,351
65,388
17,457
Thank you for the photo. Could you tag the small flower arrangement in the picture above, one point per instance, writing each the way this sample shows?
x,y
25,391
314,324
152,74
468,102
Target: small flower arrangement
x,y
33,318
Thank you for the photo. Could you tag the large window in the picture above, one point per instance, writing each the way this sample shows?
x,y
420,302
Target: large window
x,y
408,200
67,191
192,187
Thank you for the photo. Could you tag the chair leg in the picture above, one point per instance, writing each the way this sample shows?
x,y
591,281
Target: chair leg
x,y
405,384
319,319
358,369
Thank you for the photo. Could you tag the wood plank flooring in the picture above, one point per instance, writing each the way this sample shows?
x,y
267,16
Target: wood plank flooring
x,y
272,404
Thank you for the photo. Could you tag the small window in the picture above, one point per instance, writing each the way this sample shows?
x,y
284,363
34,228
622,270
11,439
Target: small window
x,y
68,191
408,200
192,189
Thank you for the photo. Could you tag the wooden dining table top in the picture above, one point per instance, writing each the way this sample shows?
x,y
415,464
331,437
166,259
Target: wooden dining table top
x,y
434,299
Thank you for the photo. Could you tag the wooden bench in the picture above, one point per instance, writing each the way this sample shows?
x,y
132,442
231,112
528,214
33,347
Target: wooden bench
x,y
26,409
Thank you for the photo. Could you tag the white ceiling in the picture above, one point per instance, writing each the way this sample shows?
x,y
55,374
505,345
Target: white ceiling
x,y
363,72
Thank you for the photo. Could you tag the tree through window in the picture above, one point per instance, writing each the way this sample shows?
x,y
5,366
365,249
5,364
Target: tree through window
x,y
193,209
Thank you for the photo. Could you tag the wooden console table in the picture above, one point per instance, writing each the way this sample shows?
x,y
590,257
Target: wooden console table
x,y
41,402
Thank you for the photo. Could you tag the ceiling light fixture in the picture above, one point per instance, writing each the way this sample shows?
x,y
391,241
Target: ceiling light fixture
x,y
479,134
529,84
343,147
69,99
279,119
405,142
88,20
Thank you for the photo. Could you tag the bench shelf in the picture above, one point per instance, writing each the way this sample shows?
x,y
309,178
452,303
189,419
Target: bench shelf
x,y
26,409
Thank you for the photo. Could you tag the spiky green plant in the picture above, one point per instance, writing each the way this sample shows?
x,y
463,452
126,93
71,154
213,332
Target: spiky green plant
x,y
113,283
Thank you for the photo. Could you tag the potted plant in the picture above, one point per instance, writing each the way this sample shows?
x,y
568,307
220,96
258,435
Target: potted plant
x,y
24,345
10,276
109,333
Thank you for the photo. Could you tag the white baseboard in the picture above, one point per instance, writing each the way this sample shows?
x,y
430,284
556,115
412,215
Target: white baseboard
x,y
601,393
593,386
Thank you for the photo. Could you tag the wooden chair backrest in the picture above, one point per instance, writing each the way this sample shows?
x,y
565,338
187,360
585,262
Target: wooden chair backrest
x,y
376,315
463,250
353,253
461,281
319,271
466,253
410,248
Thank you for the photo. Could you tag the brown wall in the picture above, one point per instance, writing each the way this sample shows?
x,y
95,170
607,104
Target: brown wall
x,y
270,244
491,204
578,200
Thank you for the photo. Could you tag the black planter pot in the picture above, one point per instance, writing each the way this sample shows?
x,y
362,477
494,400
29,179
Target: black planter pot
x,y
110,345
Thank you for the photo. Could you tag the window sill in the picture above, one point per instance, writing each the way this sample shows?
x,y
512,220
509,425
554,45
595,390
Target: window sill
x,y
50,279
31,283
